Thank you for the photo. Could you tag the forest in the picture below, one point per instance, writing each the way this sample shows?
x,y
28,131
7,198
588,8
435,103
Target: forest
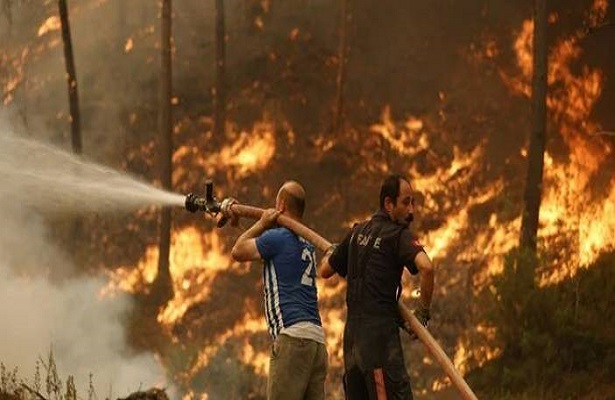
x,y
500,113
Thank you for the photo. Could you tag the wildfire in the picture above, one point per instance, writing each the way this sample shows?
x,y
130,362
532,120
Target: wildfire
x,y
195,260
569,211
567,208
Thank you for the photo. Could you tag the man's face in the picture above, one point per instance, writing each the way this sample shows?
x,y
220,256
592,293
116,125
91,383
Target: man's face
x,y
402,210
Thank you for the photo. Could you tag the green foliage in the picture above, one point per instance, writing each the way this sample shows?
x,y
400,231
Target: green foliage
x,y
559,337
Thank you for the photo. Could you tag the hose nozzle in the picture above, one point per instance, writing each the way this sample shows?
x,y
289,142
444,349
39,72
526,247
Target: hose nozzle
x,y
194,203
209,203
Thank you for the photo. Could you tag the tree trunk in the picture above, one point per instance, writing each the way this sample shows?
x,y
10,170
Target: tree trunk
x,y
71,77
75,226
220,87
533,186
163,289
341,71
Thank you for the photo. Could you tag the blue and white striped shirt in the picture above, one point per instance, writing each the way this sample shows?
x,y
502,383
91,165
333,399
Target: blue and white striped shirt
x,y
289,276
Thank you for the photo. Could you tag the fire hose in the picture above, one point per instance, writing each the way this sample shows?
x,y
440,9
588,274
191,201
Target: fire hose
x,y
229,207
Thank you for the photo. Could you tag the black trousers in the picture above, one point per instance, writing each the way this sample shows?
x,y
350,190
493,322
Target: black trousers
x,y
374,361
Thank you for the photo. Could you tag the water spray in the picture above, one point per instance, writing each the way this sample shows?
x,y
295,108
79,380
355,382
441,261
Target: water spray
x,y
49,179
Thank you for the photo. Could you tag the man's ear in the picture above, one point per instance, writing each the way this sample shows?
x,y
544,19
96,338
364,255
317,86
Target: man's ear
x,y
282,206
388,204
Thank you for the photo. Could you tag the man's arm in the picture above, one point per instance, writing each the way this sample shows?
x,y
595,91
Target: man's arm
x,y
335,259
245,247
325,270
425,267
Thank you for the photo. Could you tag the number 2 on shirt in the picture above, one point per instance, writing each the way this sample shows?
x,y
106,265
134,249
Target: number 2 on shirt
x,y
307,278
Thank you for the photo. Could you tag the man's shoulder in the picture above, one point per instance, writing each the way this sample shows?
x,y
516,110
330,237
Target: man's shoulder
x,y
277,231
278,235
281,232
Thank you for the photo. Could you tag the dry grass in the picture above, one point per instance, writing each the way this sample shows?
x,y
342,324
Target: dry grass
x,y
12,387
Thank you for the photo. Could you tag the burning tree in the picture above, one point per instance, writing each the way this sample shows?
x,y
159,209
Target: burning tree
x,y
445,106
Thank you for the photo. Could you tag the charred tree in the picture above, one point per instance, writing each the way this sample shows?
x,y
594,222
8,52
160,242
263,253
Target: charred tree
x,y
163,289
220,86
76,226
341,71
71,77
533,184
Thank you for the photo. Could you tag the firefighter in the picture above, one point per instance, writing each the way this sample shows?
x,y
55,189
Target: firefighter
x,y
372,257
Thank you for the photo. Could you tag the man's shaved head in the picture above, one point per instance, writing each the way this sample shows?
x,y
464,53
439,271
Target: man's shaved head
x,y
292,195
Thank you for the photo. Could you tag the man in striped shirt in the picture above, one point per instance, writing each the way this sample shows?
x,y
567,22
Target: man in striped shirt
x,y
298,363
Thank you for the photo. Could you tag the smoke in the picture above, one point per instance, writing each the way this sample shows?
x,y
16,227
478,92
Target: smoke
x,y
84,330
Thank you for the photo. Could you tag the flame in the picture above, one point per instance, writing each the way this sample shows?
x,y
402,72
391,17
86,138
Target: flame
x,y
597,13
195,260
431,184
51,24
133,280
248,325
128,46
13,82
480,350
571,97
596,228
248,153
408,139
334,321
294,34
568,210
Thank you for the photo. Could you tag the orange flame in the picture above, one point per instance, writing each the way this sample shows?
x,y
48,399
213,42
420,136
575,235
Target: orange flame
x,y
249,324
567,208
128,46
51,24
249,152
195,260
407,139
